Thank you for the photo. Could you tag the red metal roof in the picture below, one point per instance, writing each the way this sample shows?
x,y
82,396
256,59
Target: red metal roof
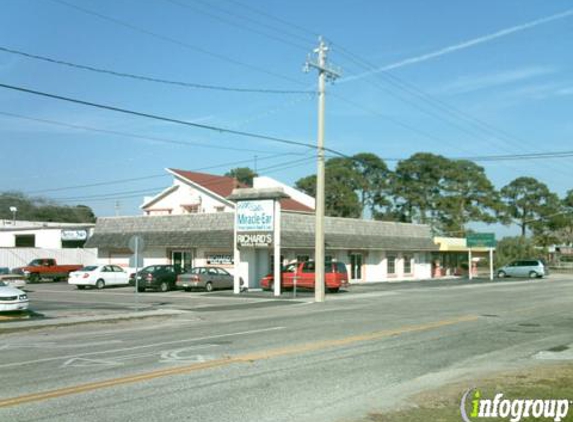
x,y
224,185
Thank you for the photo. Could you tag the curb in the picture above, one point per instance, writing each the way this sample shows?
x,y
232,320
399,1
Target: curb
x,y
63,321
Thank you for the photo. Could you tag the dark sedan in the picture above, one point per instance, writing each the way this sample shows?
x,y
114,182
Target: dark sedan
x,y
208,278
156,277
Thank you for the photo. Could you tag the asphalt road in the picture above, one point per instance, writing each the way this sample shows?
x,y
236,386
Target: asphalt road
x,y
230,359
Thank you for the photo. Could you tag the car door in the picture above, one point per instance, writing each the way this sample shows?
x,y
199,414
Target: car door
x,y
307,275
225,279
520,269
512,269
120,276
106,274
213,277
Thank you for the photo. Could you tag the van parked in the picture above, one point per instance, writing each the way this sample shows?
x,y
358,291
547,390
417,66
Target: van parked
x,y
532,268
303,273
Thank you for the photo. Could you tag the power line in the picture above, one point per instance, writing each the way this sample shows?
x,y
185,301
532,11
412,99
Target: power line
x,y
175,41
228,22
213,181
138,179
167,119
136,136
153,79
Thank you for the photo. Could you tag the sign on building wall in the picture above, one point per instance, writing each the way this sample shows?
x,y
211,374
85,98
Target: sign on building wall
x,y
255,223
74,234
219,259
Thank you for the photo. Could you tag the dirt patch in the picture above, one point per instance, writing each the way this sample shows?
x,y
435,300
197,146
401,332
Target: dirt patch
x,y
551,381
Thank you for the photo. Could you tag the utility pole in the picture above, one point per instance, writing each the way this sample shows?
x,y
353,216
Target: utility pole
x,y
324,72
117,207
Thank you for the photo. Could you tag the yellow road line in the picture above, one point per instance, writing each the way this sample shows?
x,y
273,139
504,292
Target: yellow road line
x,y
246,358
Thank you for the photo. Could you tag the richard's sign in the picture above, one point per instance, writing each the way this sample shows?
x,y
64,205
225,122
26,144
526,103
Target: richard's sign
x,y
255,239
254,216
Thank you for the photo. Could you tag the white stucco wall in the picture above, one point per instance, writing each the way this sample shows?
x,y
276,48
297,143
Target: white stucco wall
x,y
187,194
45,238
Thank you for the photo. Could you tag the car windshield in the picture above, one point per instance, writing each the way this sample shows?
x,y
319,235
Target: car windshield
x,y
195,270
89,268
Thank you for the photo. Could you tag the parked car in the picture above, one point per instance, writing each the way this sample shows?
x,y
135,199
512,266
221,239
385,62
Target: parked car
x,y
48,268
156,277
12,299
208,278
336,276
99,277
532,268
18,281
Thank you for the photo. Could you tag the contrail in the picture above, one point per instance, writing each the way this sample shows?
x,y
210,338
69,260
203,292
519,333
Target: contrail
x,y
462,45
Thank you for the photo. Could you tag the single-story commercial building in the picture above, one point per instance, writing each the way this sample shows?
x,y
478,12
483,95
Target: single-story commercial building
x,y
372,250
191,223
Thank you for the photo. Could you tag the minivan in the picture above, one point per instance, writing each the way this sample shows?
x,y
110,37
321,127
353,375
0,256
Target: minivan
x,y
532,268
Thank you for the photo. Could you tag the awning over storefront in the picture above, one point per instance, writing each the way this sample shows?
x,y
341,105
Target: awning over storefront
x,y
215,230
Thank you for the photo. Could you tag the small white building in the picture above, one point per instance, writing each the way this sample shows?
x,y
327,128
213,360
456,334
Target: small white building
x,y
23,241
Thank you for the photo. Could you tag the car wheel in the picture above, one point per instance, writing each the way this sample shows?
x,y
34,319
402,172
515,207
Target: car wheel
x,y
141,289
164,287
271,286
209,286
100,284
80,287
501,274
533,274
34,278
187,289
333,290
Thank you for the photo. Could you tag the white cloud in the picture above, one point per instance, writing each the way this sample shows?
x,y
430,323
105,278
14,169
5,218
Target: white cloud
x,y
468,84
463,45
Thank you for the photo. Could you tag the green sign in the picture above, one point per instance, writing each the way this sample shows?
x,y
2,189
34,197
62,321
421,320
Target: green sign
x,y
480,240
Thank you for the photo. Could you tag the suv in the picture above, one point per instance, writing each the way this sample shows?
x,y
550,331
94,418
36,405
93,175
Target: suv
x,y
335,276
532,268
157,277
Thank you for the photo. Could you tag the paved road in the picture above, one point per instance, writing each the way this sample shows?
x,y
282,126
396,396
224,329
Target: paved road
x,y
296,361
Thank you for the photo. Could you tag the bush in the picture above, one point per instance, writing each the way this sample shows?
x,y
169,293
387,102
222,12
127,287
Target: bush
x,y
512,248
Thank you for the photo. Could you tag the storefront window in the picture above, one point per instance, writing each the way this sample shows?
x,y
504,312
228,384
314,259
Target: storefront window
x,y
407,264
391,264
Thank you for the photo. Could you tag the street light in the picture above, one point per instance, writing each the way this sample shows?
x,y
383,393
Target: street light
x,y
13,210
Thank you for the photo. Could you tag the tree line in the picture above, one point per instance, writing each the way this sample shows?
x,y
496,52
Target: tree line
x,y
446,194
42,209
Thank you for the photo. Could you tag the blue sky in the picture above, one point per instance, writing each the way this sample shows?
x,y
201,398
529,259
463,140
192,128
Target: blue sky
x,y
505,64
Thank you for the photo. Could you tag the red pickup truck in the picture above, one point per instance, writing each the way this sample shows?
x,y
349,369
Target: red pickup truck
x,y
48,268
335,276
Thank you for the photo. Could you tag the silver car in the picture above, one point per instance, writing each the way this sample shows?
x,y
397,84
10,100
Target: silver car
x,y
532,268
208,278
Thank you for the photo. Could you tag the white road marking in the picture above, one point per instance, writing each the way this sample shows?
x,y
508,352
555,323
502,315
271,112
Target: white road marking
x,y
52,345
82,362
171,356
125,349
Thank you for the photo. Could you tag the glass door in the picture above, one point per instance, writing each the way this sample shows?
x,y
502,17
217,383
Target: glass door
x,y
182,259
356,260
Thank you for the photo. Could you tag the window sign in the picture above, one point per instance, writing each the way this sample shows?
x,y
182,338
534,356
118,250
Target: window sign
x,y
255,216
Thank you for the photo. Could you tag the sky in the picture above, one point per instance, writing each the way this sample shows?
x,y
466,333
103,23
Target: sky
x,y
460,79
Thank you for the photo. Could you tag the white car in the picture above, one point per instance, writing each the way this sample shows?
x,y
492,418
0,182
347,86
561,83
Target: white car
x,y
99,277
12,299
17,281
